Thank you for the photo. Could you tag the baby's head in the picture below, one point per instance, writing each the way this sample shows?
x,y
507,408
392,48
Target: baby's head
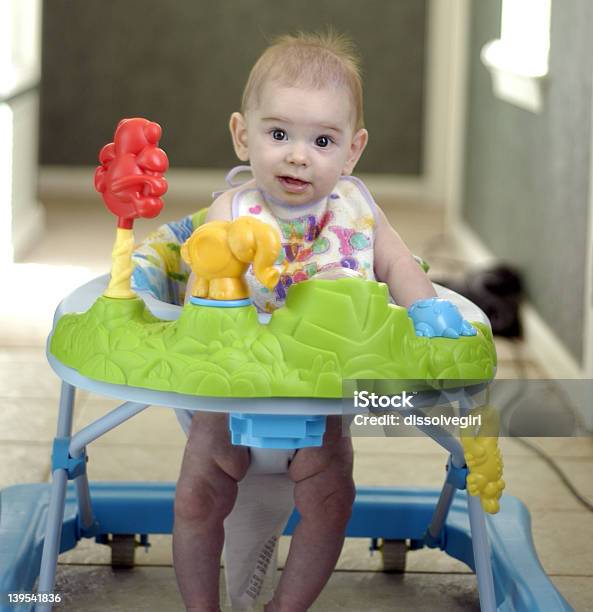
x,y
301,120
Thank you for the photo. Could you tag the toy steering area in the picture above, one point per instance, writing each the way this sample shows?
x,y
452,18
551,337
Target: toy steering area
x,y
278,377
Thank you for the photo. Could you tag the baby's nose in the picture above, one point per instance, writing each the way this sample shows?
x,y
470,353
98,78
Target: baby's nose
x,y
297,155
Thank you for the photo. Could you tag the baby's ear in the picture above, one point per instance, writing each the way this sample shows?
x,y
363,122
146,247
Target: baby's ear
x,y
359,142
238,127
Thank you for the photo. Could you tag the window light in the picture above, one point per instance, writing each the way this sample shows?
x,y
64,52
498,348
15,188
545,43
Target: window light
x,y
518,61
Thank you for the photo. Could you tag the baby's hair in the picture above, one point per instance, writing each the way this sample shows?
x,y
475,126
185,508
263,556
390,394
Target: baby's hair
x,y
308,60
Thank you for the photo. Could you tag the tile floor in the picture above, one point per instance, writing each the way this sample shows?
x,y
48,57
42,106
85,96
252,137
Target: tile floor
x,y
149,447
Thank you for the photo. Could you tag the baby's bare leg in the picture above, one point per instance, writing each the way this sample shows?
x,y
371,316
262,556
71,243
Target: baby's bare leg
x,y
205,495
324,494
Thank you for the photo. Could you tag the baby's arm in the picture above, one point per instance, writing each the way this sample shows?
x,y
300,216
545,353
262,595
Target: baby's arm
x,y
396,266
411,288
220,209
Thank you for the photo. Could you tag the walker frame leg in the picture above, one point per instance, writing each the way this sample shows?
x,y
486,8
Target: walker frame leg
x,y
83,495
440,513
55,514
481,549
53,532
479,535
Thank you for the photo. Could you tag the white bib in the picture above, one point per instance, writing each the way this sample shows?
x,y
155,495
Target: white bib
x,y
331,234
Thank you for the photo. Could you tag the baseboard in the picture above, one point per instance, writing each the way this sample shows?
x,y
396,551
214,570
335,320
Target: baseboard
x,y
57,182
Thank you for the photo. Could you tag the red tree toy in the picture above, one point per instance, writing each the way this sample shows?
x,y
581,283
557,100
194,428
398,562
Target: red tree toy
x,y
130,176
130,179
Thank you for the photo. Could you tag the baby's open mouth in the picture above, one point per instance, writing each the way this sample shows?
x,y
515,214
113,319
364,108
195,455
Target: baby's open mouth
x,y
294,185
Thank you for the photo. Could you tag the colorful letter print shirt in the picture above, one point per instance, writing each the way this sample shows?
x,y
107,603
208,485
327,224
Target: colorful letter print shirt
x,y
329,235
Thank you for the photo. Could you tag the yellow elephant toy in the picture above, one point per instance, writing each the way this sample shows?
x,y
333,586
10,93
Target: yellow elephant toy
x,y
219,253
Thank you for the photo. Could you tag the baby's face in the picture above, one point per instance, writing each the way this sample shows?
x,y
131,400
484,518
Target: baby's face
x,y
298,141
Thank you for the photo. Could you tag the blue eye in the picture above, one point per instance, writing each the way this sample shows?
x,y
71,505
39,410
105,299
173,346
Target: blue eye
x,y
278,134
323,141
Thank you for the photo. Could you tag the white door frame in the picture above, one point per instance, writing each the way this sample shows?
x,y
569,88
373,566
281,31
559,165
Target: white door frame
x,y
588,280
445,103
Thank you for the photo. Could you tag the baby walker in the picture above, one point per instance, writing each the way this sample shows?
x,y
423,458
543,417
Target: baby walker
x,y
278,376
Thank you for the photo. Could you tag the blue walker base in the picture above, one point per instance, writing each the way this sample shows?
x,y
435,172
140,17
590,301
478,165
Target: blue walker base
x,y
145,507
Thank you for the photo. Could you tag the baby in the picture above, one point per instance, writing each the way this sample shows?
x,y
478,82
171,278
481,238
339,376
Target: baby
x,y
301,130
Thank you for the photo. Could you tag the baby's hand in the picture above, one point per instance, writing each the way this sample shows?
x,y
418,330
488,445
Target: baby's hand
x,y
437,317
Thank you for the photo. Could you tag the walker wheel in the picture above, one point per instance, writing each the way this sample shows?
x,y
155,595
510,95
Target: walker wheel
x,y
123,547
393,554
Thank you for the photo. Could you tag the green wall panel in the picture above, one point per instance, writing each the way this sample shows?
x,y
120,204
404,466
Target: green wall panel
x,y
527,175
184,64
